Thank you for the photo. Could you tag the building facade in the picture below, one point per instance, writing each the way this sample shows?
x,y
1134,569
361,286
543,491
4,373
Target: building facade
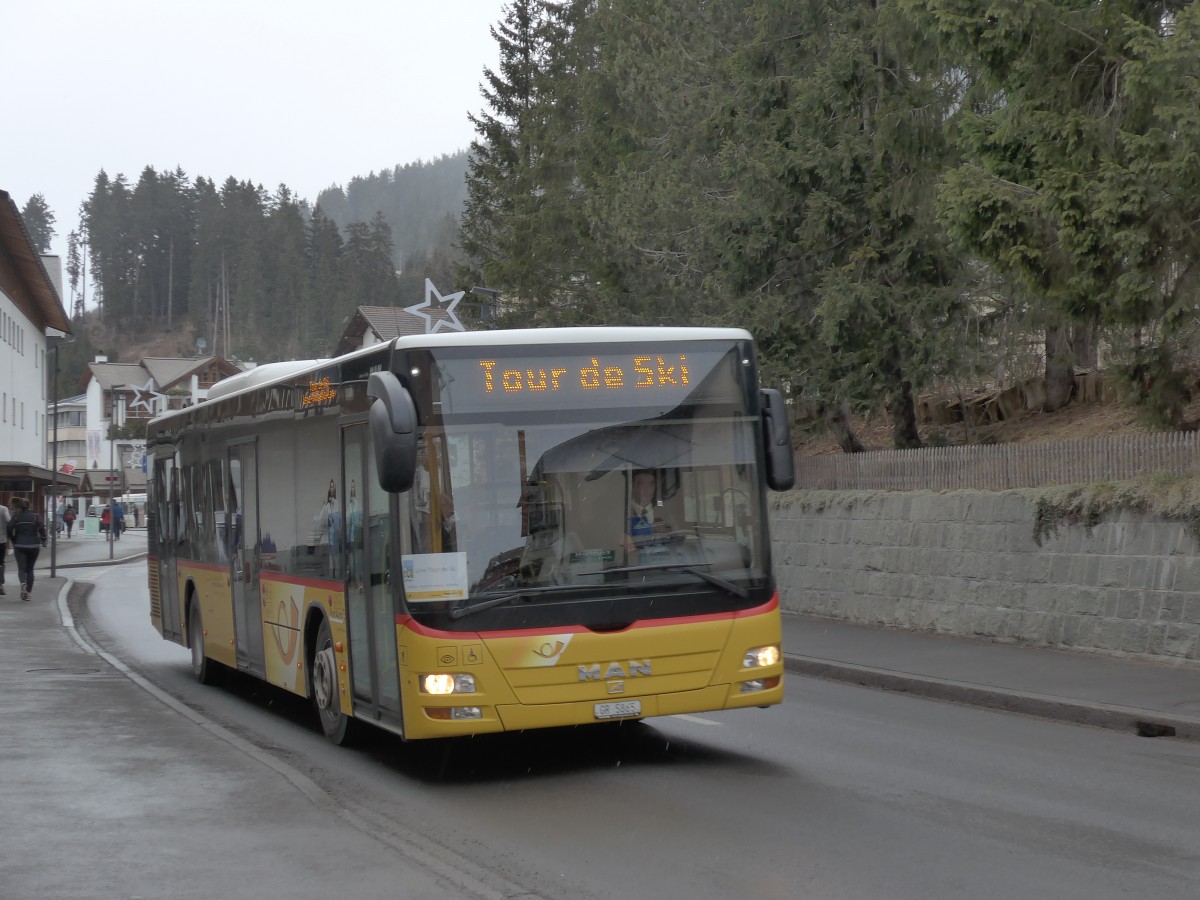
x,y
32,324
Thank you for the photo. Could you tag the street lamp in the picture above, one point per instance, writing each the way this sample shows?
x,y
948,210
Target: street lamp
x,y
112,469
55,341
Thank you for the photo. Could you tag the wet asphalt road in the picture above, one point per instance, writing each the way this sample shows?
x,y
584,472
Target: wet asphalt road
x,y
842,792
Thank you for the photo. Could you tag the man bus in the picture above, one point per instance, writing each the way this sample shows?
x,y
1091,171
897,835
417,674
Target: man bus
x,y
433,535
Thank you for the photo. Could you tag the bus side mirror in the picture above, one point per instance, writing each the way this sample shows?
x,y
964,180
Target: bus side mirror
x,y
393,420
781,460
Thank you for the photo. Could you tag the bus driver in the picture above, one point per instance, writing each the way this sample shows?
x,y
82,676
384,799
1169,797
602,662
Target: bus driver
x,y
645,511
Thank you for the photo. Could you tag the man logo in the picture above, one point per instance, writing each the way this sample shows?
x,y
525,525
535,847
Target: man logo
x,y
634,669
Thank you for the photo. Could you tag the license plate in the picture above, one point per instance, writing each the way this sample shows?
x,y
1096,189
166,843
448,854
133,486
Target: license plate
x,y
621,710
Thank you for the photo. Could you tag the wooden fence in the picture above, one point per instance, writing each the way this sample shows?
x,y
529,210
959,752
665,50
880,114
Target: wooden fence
x,y
1004,466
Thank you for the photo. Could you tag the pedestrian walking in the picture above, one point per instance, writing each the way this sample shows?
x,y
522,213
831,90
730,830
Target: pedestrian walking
x,y
69,518
4,519
118,519
27,532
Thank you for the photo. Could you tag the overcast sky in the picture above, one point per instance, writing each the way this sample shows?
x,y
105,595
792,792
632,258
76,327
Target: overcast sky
x,y
301,92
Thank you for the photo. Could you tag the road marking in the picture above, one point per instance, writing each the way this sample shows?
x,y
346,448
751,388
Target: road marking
x,y
699,720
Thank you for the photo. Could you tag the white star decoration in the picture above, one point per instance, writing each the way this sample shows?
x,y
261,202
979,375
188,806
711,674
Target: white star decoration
x,y
440,310
146,396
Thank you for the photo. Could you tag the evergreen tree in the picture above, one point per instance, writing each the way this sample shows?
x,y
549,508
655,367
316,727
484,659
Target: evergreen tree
x,y
163,217
498,222
413,198
39,222
331,307
76,271
1056,187
109,223
765,164
287,305
206,282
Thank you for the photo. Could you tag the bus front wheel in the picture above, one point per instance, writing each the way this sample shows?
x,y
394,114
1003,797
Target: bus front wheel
x,y
336,724
203,668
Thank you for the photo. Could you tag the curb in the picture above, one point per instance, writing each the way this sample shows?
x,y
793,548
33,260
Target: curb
x,y
1146,723
116,561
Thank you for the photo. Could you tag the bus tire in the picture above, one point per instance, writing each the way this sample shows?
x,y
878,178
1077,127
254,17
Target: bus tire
x,y
338,726
203,668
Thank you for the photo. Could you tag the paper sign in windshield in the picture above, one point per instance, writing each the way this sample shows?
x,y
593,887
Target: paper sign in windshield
x,y
430,577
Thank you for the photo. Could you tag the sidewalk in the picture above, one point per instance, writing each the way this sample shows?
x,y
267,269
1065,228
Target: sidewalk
x,y
1152,699
82,550
113,788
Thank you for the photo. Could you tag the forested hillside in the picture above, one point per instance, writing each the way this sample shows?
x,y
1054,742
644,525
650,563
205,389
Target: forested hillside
x,y
894,195
257,274
420,201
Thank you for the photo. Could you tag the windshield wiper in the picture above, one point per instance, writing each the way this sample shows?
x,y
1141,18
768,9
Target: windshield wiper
x,y
728,586
459,611
525,593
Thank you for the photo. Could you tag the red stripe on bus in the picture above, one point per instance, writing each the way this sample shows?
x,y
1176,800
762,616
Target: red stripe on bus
x,y
324,585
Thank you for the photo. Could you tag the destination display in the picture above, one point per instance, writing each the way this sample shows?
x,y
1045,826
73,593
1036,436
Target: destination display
x,y
661,377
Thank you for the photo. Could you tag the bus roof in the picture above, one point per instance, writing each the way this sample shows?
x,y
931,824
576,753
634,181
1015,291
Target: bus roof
x,y
271,373
595,334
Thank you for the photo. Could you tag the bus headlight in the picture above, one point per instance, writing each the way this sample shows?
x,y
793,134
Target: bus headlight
x,y
761,656
447,683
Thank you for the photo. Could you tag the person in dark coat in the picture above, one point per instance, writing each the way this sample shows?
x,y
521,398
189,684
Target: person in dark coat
x,y
27,532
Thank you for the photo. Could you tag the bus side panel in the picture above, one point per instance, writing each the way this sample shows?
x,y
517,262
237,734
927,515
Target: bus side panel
x,y
285,602
282,603
216,607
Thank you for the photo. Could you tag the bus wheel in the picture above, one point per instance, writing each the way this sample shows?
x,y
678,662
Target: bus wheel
x,y
336,724
203,668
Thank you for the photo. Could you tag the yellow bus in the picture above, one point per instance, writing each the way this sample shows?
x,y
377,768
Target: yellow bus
x,y
460,533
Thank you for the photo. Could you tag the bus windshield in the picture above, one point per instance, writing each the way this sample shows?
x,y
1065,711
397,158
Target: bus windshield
x,y
619,496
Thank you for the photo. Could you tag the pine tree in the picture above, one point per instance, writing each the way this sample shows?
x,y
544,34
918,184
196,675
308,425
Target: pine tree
x,y
495,226
39,222
331,305
76,272
288,303
108,221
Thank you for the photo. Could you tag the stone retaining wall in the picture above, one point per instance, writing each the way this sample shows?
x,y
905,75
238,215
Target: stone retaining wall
x,y
966,563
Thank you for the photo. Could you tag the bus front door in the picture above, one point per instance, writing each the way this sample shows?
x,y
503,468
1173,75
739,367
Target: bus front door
x,y
162,546
369,605
241,542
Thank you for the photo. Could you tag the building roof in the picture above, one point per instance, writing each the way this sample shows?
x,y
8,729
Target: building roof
x,y
37,289
111,375
165,371
386,321
168,372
